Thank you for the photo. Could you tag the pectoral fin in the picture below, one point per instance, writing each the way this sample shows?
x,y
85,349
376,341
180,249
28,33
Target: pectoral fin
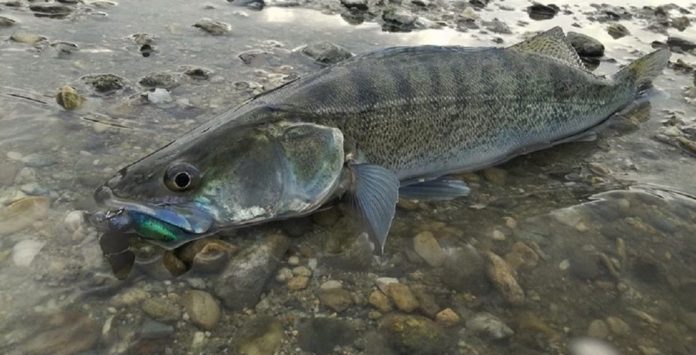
x,y
375,193
442,188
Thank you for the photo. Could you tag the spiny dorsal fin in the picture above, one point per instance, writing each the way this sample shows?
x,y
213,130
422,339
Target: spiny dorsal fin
x,y
552,44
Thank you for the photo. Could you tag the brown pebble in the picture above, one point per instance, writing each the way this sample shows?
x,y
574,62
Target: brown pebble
x,y
336,299
380,301
503,277
298,283
447,317
523,256
403,297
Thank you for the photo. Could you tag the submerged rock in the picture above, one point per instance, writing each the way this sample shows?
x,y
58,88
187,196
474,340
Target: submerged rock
x,y
165,80
51,10
161,309
24,252
403,297
415,335
69,98
215,28
503,277
151,329
6,21
104,83
27,38
321,335
497,26
617,30
465,271
23,213
355,4
488,325
337,299
542,12
202,307
398,20
243,279
428,248
680,44
63,333
326,52
261,335
585,45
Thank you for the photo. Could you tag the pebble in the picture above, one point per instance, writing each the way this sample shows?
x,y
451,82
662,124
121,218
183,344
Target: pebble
x,y
298,283
411,334
598,329
380,301
336,299
302,271
331,284
585,45
14,155
584,264
617,30
355,4
497,235
104,83
503,277
69,98
428,248
680,23
322,335
215,28
261,335
129,297
294,260
284,274
589,346
489,325
27,38
680,44
497,26
495,176
164,80
63,333
159,96
326,52
198,73
161,309
465,270
403,297
522,256
24,252
542,12
618,326
447,317
74,220
398,20
151,329
384,282
202,308
6,21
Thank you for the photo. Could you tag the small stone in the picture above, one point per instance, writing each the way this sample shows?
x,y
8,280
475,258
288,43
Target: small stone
x,y
129,297
497,235
355,4
336,299
161,309
160,80
503,277
64,48
302,271
215,28
62,333
497,26
403,297
24,252
510,222
495,176
203,308
199,73
322,335
151,329
680,23
51,10
398,20
384,282
261,335
74,220
6,21
680,44
428,248
326,52
522,256
598,329
331,284
564,265
409,334
617,30
284,274
293,260
584,264
426,302
298,283
104,83
618,326
159,96
465,271
542,12
69,98
380,301
447,317
489,325
585,45
27,38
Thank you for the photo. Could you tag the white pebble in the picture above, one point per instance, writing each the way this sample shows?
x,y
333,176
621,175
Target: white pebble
x,y
14,155
330,285
159,96
74,220
293,260
564,265
24,252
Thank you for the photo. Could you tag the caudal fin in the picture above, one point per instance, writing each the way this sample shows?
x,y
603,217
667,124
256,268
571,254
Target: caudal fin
x,y
642,71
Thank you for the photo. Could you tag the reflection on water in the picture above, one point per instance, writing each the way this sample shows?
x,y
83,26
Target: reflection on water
x,y
586,239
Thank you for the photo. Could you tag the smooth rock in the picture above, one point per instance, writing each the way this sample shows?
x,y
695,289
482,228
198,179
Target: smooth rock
x,y
522,256
496,176
6,21
465,270
202,308
284,274
243,279
62,334
586,46
69,98
164,80
336,299
355,4
503,277
330,284
680,44
403,297
447,317
151,329
398,20
51,10
261,335
322,335
617,30
489,325
298,283
598,329
584,264
159,96
542,12
410,334
215,28
326,53
24,252
302,271
427,304
680,23
198,73
27,38
618,326
380,301
497,26
161,309
104,83
383,283
428,248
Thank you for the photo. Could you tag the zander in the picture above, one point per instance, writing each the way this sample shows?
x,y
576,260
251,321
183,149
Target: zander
x,y
374,127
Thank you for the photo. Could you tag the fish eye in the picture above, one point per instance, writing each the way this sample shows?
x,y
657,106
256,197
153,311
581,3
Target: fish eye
x,y
181,177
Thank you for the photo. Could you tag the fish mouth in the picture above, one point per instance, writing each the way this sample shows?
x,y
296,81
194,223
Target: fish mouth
x,y
191,217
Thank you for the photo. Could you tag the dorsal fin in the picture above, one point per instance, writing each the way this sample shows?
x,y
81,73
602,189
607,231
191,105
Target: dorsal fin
x,y
552,44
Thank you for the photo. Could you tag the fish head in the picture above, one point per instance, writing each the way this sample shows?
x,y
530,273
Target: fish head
x,y
224,178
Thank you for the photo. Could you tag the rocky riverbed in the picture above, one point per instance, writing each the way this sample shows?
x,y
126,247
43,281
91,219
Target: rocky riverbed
x,y
589,244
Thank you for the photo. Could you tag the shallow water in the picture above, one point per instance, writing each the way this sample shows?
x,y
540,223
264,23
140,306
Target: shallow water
x,y
600,234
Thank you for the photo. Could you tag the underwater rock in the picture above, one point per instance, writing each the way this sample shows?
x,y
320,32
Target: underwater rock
x,y
355,4
598,329
497,26
617,30
298,283
6,21
24,252
489,325
165,80
447,317
63,334
198,73
428,248
242,281
410,334
104,83
680,23
27,38
161,309
159,96
680,44
261,335
151,329
380,301
465,270
322,335
521,256
69,98
202,307
336,299
542,12
403,297
51,10
398,20
215,28
23,213
585,45
503,277
326,52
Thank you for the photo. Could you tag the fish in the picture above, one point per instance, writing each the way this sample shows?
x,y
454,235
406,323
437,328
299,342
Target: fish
x,y
396,122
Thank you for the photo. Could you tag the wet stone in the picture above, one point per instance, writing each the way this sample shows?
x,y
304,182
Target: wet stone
x,y
64,48
321,335
403,297
521,256
398,20
488,325
680,44
261,335
165,80
336,299
252,56
242,281
143,38
199,73
202,308
618,326
298,283
51,10
598,329
151,329
428,248
465,271
542,12
159,96
447,317
27,38
409,334
503,277
6,21
380,301
326,52
63,333
680,23
617,30
161,309
497,26
584,264
495,176
69,98
586,46
215,28
355,4
104,83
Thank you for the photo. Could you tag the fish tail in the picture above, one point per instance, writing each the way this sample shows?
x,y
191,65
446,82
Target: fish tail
x,y
642,71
